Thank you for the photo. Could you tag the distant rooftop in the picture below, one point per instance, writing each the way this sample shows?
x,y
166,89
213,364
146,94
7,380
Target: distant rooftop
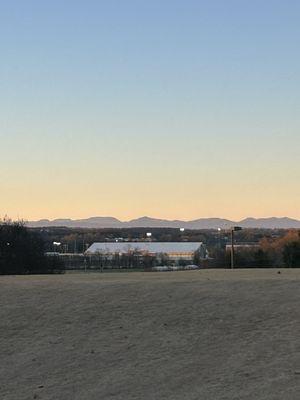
x,y
150,247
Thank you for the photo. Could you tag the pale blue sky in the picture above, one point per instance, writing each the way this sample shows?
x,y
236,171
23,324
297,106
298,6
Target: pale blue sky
x,y
175,109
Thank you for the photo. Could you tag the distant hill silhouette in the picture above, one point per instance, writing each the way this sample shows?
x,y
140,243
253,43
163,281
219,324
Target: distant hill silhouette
x,y
147,222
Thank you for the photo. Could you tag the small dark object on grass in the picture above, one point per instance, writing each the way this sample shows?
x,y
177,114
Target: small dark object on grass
x,y
278,272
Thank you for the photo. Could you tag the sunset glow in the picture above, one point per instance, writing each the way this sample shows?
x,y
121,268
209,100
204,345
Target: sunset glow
x,y
169,109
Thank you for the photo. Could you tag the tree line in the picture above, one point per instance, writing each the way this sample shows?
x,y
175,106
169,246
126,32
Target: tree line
x,y
22,251
283,251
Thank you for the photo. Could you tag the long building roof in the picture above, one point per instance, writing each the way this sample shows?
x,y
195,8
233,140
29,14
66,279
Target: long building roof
x,y
151,247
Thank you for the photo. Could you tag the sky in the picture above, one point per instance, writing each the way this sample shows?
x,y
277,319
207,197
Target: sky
x,y
171,109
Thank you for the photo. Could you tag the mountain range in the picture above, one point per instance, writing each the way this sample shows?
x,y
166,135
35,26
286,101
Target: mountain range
x,y
147,222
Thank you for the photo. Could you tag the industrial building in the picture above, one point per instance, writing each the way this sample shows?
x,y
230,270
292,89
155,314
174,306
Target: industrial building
x,y
174,250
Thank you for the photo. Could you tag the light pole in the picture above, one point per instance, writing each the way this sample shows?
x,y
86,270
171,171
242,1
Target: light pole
x,y
56,246
149,236
233,229
219,237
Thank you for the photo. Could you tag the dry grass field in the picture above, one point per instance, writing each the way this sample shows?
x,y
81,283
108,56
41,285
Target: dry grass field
x,y
196,335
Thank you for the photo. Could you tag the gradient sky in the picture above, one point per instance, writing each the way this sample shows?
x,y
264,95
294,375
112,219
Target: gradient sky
x,y
172,109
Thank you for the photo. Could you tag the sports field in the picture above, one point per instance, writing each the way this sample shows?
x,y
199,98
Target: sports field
x,y
196,335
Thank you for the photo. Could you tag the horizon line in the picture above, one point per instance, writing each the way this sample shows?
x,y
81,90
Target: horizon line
x,y
158,218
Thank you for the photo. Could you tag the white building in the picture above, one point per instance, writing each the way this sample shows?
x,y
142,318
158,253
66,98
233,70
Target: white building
x,y
174,250
243,246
